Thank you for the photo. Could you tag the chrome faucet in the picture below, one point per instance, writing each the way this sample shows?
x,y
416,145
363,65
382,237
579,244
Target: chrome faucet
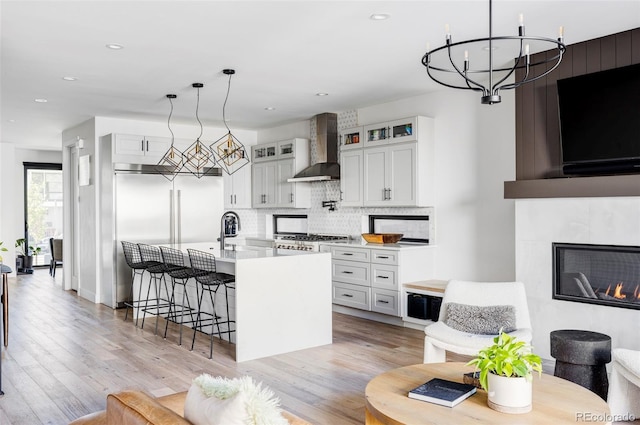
x,y
222,226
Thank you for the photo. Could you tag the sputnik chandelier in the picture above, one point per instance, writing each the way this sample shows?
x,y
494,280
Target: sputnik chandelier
x,y
230,153
446,66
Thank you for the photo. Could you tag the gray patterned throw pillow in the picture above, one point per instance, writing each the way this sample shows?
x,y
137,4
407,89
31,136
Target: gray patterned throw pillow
x,y
483,320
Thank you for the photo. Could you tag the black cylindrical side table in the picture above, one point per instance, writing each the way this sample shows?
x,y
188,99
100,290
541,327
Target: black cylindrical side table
x,y
581,357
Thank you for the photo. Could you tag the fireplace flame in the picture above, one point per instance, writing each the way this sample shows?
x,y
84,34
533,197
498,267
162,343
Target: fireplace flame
x,y
636,292
618,291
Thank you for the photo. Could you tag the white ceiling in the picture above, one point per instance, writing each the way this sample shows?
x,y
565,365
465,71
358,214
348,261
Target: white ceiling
x,y
284,52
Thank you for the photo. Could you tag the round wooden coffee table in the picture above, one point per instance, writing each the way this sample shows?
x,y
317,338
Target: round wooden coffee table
x,y
555,401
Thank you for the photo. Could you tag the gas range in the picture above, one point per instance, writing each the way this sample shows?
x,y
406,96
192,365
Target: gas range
x,y
309,242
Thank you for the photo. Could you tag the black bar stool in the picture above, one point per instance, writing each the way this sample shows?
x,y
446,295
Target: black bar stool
x,y
159,305
180,274
210,281
134,260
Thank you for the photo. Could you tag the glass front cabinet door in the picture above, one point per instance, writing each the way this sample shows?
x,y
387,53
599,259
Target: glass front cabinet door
x,y
397,131
351,138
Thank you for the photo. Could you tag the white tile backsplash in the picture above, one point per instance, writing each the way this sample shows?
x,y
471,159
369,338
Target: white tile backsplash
x,y
539,223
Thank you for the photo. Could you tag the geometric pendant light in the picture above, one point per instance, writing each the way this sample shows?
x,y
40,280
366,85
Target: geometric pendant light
x,y
172,161
197,158
231,155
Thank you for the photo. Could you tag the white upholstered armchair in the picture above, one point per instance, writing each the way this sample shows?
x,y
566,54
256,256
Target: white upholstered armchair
x,y
624,384
472,314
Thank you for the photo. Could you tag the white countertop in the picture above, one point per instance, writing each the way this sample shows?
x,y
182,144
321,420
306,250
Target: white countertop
x,y
241,253
393,246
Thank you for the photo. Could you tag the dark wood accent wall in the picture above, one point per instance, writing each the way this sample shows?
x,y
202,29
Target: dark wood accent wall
x,y
537,126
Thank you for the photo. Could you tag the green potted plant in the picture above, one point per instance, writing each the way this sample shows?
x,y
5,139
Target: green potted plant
x,y
506,370
26,253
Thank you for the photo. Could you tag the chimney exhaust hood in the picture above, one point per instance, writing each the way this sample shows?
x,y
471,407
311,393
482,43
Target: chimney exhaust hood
x,y
327,167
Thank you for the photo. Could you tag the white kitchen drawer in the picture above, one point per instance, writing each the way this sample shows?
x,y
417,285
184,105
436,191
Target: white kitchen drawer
x,y
351,254
351,295
351,272
382,256
386,302
385,277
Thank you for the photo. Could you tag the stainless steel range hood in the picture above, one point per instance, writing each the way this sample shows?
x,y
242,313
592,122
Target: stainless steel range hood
x,y
326,167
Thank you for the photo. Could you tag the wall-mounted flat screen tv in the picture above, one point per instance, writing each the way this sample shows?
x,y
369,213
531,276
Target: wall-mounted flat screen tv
x,y
600,122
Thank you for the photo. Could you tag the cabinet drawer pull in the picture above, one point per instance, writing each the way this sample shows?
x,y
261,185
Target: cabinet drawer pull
x,y
347,253
383,257
383,301
347,272
347,295
383,277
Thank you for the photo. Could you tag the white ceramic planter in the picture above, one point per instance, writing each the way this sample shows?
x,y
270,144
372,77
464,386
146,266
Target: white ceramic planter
x,y
509,395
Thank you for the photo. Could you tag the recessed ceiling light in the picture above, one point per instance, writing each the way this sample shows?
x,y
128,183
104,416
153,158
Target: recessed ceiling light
x,y
41,100
269,108
322,94
69,78
12,120
115,46
379,16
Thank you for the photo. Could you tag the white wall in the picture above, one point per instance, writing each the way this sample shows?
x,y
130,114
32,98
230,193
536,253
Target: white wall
x,y
9,228
84,267
539,222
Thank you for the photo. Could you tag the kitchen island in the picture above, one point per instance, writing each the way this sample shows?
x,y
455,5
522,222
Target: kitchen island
x,y
281,302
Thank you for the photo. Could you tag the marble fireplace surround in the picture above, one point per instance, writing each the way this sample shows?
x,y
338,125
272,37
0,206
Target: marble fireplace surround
x,y
602,221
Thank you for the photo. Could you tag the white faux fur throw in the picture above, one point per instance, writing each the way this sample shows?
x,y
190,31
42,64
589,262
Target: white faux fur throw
x,y
262,407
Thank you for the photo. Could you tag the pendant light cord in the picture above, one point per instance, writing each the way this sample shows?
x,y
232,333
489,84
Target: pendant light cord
x,y
169,121
224,105
197,117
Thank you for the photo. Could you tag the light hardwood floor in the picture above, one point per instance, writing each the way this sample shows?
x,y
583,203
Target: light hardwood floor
x,y
66,354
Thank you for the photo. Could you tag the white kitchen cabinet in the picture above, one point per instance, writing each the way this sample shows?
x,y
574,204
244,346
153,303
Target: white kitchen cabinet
x,y
390,175
385,302
395,167
351,178
291,195
351,272
355,296
275,163
264,152
396,131
371,279
263,184
237,188
351,138
134,149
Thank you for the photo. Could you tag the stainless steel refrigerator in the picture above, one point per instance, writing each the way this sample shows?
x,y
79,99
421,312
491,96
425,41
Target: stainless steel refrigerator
x,y
150,209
